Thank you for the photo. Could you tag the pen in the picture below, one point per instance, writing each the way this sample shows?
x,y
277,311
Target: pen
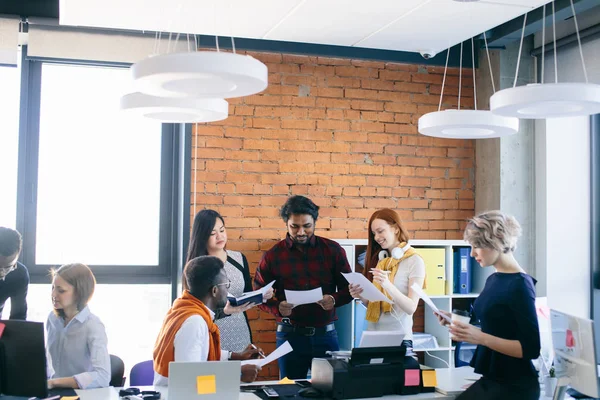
x,y
260,353
382,271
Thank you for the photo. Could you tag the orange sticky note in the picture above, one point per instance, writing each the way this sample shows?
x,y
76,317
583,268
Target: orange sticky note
x,y
412,377
429,378
207,384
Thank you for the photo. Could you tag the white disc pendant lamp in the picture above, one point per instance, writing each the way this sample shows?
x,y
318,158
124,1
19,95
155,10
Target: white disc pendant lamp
x,y
173,110
465,124
200,74
548,100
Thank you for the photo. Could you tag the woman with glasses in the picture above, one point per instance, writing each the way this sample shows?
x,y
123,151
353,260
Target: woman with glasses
x,y
209,237
14,277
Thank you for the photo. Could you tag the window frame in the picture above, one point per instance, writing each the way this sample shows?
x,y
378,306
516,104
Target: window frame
x,y
175,139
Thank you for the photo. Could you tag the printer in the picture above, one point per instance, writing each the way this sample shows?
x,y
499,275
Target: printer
x,y
369,372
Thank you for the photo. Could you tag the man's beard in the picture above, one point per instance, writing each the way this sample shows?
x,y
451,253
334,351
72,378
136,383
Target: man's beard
x,y
304,242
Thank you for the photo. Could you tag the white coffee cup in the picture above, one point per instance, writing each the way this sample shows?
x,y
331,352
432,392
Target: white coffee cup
x,y
461,316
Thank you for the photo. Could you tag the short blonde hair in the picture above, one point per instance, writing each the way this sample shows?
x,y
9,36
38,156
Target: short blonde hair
x,y
493,230
82,279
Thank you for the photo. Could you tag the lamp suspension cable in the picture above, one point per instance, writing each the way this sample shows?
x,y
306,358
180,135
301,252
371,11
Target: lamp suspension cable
x,y
487,50
554,40
195,143
444,79
579,41
474,83
460,73
520,49
543,40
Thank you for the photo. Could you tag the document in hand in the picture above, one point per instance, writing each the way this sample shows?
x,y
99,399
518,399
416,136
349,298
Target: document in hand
x,y
299,297
370,292
250,297
429,302
279,352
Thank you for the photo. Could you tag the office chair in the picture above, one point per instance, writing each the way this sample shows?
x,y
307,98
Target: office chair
x,y
117,371
142,374
463,353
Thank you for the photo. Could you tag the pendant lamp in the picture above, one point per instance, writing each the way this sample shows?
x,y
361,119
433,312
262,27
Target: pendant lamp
x,y
200,74
548,100
169,110
466,124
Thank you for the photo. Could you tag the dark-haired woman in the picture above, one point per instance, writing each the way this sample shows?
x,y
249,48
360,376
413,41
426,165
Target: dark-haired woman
x,y
209,237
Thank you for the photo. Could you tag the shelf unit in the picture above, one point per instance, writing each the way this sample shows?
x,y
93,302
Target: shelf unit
x,y
352,316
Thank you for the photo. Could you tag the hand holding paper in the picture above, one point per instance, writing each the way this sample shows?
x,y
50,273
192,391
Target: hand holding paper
x,y
370,292
429,302
279,352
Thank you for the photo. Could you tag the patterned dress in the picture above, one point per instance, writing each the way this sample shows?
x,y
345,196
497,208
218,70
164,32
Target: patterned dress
x,y
235,330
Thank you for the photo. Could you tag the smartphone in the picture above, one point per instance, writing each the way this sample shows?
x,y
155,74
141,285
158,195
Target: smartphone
x,y
270,392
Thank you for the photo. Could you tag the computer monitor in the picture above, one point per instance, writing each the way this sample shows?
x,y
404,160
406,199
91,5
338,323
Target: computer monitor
x,y
22,359
574,354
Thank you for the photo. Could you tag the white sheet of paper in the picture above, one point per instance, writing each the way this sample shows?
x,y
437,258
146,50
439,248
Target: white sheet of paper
x,y
370,292
299,297
428,301
381,339
279,352
262,291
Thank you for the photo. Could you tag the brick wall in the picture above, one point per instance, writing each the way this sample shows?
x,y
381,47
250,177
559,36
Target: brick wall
x,y
344,133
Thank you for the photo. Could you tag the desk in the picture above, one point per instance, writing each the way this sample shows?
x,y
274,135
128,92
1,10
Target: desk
x,y
449,385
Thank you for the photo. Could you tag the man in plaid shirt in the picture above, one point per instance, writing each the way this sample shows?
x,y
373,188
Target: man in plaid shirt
x,y
304,261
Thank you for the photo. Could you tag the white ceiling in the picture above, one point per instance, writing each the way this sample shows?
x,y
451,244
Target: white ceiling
x,y
406,25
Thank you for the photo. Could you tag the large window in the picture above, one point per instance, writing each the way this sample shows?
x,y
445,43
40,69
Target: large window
x,y
98,196
100,179
9,144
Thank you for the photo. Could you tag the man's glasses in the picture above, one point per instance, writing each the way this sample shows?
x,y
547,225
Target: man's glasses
x,y
226,284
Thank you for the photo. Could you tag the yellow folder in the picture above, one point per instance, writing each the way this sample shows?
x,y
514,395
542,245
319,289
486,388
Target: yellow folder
x,y
435,269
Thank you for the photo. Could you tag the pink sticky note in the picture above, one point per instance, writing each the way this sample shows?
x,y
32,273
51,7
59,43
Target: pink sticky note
x,y
412,377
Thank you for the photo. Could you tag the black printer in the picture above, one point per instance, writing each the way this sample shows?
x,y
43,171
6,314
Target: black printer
x,y
370,372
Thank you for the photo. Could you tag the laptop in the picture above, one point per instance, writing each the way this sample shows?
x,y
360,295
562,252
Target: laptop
x,y
211,380
381,339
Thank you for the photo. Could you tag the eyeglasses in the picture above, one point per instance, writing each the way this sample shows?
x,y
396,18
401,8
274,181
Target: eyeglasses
x,y
226,284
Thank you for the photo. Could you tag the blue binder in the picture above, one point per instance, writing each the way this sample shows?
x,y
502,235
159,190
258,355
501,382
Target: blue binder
x,y
462,267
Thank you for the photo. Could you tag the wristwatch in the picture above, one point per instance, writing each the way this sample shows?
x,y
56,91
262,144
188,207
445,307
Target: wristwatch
x,y
229,353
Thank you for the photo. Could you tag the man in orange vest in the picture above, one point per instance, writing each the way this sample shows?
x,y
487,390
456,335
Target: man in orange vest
x,y
189,332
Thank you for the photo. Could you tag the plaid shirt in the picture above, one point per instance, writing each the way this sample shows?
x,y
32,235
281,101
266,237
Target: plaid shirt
x,y
320,265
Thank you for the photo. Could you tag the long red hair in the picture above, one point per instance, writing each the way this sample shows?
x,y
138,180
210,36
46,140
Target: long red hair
x,y
373,248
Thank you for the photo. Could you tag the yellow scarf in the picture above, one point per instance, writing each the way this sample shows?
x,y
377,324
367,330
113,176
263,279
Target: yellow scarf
x,y
375,308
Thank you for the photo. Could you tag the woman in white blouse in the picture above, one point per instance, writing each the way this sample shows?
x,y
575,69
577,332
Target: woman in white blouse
x,y
77,343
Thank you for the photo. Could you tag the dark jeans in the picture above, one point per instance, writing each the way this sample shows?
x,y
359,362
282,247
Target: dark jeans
x,y
485,388
295,365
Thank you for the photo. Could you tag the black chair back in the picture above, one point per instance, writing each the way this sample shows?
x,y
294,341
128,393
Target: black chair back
x,y
117,371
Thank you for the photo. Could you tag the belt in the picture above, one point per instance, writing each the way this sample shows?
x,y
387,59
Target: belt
x,y
306,330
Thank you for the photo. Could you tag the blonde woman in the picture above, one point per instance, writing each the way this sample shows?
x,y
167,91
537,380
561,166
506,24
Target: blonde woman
x,y
509,337
77,343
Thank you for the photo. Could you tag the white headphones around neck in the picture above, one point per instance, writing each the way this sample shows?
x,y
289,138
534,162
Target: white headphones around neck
x,y
397,252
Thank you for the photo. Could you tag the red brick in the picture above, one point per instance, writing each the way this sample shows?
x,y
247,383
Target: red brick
x,y
350,136
366,169
404,150
242,200
348,158
349,180
259,167
308,179
207,199
417,192
361,94
442,162
400,107
334,147
224,143
367,105
298,145
429,215
261,211
336,81
395,76
384,138
461,153
226,188
223,165
414,161
330,92
207,130
431,172
242,178
297,124
368,191
366,148
333,125
333,103
412,204
368,127
279,179
419,182
297,167
382,181
334,169
380,203
261,144
209,153
376,84
380,159
443,225
400,192
444,204
313,157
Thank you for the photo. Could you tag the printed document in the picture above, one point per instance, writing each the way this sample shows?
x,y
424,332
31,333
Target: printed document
x,y
299,297
429,302
279,352
370,292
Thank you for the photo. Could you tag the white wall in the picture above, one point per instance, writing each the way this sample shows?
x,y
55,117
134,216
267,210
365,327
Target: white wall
x,y
564,206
